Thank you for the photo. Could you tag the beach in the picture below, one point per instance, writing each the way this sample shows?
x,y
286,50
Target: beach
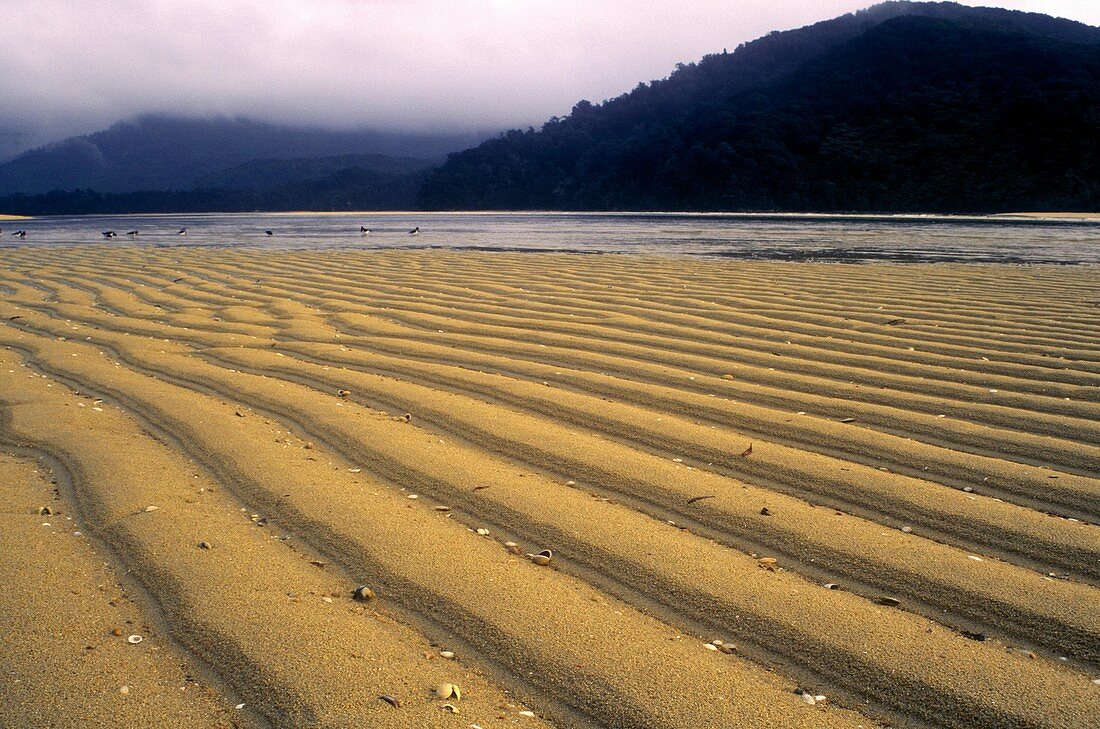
x,y
583,490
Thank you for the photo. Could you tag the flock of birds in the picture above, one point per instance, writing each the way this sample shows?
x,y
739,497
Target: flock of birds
x,y
183,231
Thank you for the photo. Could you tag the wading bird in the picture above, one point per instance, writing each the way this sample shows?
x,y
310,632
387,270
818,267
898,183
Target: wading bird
x,y
415,231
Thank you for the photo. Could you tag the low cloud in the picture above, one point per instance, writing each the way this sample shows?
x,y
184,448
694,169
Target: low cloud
x,y
73,67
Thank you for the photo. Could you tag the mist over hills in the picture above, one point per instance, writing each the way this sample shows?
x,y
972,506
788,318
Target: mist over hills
x,y
160,152
905,106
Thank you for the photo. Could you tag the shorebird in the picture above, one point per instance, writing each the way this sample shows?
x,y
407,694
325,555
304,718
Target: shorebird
x,y
20,234
110,234
132,233
183,231
364,231
415,231
268,232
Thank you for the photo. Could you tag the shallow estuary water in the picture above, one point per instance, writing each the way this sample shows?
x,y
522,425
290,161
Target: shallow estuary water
x,y
764,237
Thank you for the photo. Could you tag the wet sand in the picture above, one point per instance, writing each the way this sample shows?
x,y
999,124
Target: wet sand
x,y
878,484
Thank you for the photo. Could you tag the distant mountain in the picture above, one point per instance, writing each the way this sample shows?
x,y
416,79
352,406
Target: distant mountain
x,y
905,106
162,153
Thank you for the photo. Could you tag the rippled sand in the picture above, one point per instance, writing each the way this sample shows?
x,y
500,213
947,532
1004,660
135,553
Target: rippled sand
x,y
922,437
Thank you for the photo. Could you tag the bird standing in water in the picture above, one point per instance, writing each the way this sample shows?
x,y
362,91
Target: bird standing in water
x,y
364,231
415,231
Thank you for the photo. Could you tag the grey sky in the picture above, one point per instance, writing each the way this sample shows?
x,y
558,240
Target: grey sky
x,y
77,65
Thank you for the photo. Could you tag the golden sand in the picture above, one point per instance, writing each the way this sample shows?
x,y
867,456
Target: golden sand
x,y
924,438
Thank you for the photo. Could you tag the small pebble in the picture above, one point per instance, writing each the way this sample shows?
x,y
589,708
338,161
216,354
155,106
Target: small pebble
x,y
907,530
888,601
446,654
809,699
204,545
968,489
124,690
151,508
528,714
117,632
412,497
765,512
710,647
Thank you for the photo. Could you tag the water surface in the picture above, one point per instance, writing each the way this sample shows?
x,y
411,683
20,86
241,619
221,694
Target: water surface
x,y
778,237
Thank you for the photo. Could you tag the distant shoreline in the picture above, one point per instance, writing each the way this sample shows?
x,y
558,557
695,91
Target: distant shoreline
x,y
1065,216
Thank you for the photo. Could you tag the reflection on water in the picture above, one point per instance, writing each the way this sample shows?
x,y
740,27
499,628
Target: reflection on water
x,y
779,237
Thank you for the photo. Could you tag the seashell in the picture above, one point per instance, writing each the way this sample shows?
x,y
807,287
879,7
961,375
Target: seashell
x,y
767,563
412,497
134,639
542,558
514,549
395,703
765,512
448,690
888,601
808,698
363,593
451,708
727,649
124,690
820,698
343,393
446,654
45,511
441,507
831,586
117,632
407,417
483,532
528,714
151,508
907,529
204,545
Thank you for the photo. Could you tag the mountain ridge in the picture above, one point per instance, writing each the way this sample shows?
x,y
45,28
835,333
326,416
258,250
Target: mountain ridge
x,y
731,132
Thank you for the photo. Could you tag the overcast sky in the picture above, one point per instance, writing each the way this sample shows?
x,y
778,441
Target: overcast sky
x,y
72,66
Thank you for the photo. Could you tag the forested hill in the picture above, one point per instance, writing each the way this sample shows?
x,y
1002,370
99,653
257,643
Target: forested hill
x,y
902,107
